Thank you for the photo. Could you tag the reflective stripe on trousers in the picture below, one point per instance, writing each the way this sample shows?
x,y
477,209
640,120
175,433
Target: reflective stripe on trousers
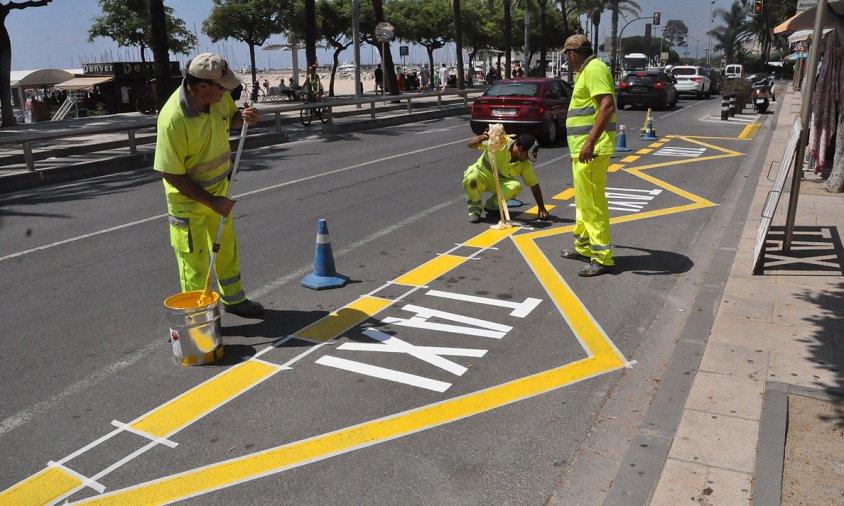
x,y
476,181
592,217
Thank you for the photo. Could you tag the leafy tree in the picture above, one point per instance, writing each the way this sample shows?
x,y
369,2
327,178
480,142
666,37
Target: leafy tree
x,y
458,42
127,22
6,59
429,24
594,9
334,27
249,21
675,33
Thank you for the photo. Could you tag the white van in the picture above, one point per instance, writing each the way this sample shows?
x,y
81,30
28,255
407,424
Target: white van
x,y
734,71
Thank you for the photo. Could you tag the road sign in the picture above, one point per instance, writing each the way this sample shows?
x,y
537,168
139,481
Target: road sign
x,y
803,5
404,50
663,56
384,31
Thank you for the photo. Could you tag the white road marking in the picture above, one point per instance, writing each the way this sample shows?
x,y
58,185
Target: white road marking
x,y
520,309
384,373
479,327
681,152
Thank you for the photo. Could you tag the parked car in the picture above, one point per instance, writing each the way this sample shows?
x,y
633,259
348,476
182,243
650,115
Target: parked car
x,y
651,88
692,80
534,105
715,77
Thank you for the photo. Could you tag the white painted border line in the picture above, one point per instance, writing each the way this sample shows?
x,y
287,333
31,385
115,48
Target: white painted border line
x,y
86,482
147,435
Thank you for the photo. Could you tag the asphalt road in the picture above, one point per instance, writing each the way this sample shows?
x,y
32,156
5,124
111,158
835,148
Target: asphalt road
x,y
478,379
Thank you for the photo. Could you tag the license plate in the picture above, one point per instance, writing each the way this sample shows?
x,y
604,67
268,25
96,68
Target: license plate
x,y
760,100
639,89
504,112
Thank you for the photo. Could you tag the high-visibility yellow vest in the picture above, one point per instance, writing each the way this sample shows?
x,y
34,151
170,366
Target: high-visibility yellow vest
x,y
194,143
593,79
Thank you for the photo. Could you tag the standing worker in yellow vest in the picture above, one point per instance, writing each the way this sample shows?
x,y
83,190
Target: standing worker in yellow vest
x,y
590,128
192,150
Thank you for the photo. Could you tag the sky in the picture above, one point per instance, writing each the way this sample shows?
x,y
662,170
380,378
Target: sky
x,y
55,36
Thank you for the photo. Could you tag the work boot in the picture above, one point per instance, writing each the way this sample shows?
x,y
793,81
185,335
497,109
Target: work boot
x,y
592,269
572,254
493,215
245,309
474,218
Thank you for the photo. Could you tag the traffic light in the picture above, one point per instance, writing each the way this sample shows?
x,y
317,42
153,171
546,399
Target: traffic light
x,y
657,14
757,7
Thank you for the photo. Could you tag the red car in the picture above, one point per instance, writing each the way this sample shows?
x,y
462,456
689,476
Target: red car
x,y
535,106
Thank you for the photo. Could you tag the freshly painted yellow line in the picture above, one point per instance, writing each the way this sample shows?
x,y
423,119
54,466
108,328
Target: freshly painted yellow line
x,y
749,131
40,488
532,213
489,237
430,270
565,194
203,399
643,151
671,188
614,167
631,158
334,324
694,140
657,144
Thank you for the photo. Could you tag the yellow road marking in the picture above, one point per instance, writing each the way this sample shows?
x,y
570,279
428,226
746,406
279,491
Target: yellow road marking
x,y
533,212
643,151
615,167
40,488
749,132
331,326
489,237
208,396
430,270
565,194
694,140
631,158
671,188
656,144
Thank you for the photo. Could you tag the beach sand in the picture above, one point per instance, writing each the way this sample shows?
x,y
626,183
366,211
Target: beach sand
x,y
344,82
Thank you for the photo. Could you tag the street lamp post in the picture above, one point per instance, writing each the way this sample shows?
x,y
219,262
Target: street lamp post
x,y
709,34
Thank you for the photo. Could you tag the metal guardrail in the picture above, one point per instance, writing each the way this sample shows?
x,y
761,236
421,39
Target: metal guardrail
x,y
131,124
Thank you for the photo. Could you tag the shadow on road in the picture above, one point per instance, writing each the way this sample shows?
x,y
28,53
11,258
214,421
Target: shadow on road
x,y
652,263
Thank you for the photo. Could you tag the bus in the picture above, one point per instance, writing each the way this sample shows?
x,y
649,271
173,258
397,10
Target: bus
x,y
633,62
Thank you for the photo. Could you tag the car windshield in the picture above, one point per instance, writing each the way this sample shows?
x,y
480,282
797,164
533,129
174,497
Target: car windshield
x,y
640,79
513,90
634,63
684,72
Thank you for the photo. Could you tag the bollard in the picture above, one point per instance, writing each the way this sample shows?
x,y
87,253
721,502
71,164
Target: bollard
x,y
725,108
732,105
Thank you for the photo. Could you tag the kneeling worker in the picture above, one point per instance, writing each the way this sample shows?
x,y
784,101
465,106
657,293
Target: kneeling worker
x,y
513,159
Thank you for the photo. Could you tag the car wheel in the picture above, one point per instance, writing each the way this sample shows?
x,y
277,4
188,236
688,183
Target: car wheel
x,y
699,95
551,135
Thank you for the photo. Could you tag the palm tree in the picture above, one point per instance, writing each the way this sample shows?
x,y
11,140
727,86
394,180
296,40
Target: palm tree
x,y
458,43
731,35
593,9
616,6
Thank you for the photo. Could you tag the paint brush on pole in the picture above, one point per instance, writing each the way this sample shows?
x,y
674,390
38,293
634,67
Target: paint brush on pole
x,y
205,298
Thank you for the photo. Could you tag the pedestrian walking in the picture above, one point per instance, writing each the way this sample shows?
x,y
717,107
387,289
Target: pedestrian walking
x,y
379,79
192,151
590,127
443,78
424,78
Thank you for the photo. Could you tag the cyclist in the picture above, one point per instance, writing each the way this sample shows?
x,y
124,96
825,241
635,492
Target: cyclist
x,y
313,86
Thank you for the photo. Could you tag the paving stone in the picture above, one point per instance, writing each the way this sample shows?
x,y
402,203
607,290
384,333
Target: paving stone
x,y
727,395
721,441
688,483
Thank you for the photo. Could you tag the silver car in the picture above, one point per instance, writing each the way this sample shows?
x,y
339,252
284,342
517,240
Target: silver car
x,y
692,80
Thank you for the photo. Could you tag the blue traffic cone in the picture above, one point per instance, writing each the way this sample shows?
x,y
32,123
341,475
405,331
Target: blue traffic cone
x,y
650,133
621,140
324,275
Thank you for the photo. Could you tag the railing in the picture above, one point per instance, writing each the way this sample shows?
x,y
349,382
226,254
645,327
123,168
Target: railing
x,y
132,123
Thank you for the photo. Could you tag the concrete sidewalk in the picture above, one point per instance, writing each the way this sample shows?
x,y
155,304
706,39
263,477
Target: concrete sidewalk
x,y
775,336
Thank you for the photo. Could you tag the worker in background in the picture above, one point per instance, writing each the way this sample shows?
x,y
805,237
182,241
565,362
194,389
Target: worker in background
x,y
513,159
192,150
590,127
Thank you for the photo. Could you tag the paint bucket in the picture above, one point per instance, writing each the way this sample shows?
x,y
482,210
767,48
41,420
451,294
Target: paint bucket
x,y
195,331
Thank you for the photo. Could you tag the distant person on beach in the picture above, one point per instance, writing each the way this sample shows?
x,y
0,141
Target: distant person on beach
x,y
424,78
443,78
379,79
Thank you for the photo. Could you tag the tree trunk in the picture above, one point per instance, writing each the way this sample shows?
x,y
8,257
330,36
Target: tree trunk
x,y
614,37
336,60
5,70
508,38
160,52
310,32
386,54
543,50
254,97
458,42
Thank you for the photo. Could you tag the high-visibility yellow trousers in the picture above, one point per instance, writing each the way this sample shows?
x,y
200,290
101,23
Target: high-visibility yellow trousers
x,y
192,234
592,216
477,180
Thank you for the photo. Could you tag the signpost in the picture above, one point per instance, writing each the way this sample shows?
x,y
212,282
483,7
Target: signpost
x,y
384,32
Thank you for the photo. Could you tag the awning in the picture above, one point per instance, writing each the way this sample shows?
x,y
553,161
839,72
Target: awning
x,y
84,83
797,56
805,20
801,35
43,78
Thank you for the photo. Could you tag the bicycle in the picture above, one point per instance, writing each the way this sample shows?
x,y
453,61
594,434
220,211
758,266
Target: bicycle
x,y
308,115
261,95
